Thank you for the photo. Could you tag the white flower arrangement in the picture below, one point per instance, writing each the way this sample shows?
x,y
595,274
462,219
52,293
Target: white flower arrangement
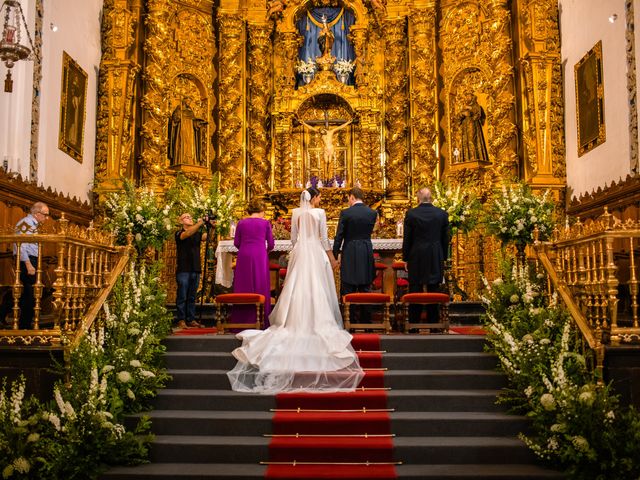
x,y
514,214
343,66
306,68
460,203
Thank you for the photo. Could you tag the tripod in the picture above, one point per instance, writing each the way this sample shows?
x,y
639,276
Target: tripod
x,y
211,232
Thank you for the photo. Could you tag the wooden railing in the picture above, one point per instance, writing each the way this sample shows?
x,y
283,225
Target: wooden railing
x,y
76,270
593,268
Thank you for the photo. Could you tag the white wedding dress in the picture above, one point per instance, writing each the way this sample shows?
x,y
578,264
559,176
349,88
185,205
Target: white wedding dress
x,y
306,347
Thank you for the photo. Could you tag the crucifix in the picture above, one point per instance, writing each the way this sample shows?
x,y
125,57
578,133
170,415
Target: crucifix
x,y
326,134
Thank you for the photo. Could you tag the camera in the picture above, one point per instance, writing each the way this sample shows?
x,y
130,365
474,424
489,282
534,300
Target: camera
x,y
209,216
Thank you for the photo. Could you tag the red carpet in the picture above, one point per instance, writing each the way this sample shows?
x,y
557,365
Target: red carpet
x,y
323,432
469,330
196,331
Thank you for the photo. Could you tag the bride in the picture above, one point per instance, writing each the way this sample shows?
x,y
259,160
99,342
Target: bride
x,y
306,347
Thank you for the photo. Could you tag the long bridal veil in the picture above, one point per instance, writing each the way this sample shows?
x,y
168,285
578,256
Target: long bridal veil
x,y
305,348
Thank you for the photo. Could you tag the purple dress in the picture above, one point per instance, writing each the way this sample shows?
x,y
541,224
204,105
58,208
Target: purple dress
x,y
253,240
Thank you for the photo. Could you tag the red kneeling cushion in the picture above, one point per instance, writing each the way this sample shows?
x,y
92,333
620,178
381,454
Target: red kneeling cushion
x,y
366,298
283,272
398,265
380,266
239,298
274,266
425,298
402,282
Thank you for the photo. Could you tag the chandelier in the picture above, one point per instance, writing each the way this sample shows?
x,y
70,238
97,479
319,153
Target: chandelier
x,y
11,48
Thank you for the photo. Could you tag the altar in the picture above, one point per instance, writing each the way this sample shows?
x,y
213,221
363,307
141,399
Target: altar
x,y
225,250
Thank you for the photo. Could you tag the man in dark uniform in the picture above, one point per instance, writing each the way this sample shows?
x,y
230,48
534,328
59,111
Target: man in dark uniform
x,y
353,238
424,247
188,269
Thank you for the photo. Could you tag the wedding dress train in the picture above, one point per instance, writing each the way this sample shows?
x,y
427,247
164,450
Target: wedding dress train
x,y
306,347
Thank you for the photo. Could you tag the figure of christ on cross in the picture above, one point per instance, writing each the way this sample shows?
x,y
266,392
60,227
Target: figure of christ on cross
x,y
326,134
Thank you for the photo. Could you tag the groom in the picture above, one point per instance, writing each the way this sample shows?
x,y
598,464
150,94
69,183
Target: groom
x,y
353,238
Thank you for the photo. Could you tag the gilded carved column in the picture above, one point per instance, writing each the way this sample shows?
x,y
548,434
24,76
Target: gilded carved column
x,y
424,96
287,44
154,108
541,85
358,37
499,62
259,86
231,68
369,172
116,98
284,165
396,108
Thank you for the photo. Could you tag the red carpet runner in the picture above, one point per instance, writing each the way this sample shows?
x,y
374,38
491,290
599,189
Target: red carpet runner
x,y
328,434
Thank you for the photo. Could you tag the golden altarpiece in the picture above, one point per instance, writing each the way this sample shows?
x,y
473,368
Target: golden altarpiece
x,y
466,91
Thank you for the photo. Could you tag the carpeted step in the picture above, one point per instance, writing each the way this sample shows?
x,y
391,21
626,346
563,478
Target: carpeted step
x,y
432,343
402,379
404,400
396,361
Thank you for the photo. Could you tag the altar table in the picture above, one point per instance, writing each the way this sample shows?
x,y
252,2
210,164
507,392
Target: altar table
x,y
226,249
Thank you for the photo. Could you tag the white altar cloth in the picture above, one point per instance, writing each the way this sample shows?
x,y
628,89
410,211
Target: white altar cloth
x,y
226,249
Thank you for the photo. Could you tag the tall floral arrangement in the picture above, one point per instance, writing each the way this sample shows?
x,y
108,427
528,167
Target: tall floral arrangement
x,y
460,203
141,213
515,212
576,424
282,229
116,369
200,201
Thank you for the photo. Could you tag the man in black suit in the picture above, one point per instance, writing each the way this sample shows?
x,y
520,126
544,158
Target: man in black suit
x,y
425,247
353,238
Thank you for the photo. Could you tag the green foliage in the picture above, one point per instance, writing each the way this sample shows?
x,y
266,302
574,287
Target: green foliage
x,y
514,212
114,371
576,424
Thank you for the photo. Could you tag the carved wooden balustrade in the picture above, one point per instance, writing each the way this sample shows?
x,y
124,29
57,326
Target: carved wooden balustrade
x,y
76,270
593,268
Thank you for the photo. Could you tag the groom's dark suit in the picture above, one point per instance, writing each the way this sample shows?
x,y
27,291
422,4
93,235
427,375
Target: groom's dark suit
x,y
424,247
353,237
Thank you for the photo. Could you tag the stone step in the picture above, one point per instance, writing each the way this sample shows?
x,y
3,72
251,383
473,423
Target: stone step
x,y
401,379
247,471
408,450
391,343
401,400
417,424
395,361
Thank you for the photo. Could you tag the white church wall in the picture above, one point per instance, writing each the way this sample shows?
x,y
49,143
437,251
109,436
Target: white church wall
x,y
15,107
583,24
77,32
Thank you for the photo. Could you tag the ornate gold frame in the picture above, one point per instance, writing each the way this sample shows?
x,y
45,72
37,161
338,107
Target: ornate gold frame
x,y
73,102
590,126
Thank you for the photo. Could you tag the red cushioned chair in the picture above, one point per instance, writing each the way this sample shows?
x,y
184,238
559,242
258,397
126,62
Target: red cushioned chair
x,y
378,281
420,298
229,299
275,268
401,284
377,299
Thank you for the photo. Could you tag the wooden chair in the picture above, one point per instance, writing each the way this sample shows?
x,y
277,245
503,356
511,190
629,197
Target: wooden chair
x,y
400,281
378,281
229,299
375,299
420,298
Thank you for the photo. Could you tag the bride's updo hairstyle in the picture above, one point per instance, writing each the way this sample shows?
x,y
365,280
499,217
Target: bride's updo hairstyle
x,y
313,192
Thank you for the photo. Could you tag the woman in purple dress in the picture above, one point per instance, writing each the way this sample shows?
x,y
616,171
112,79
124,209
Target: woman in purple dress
x,y
254,240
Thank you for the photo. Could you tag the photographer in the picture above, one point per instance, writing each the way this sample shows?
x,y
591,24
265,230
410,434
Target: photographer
x,y
188,267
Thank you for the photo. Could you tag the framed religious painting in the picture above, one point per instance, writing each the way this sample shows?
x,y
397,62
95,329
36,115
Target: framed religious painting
x,y
73,103
590,100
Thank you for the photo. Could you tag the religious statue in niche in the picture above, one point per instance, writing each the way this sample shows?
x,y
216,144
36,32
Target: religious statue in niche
x,y
325,40
325,34
186,136
471,118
